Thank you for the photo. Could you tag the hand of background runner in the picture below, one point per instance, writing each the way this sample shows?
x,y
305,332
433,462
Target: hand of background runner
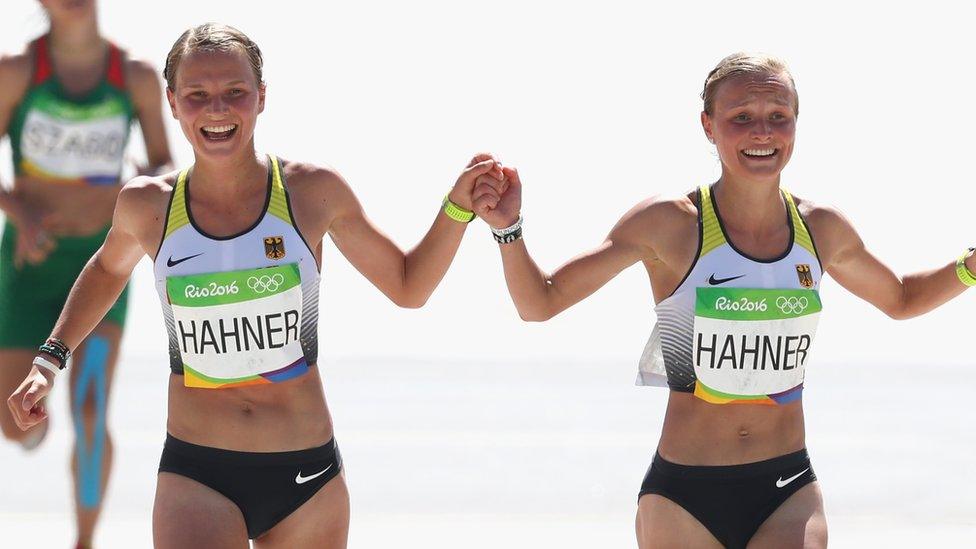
x,y
25,404
33,242
461,193
498,205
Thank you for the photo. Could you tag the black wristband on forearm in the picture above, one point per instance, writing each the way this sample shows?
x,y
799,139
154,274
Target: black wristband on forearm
x,y
507,238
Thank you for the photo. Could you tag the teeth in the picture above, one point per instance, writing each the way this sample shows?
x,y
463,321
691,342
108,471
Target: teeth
x,y
758,152
219,129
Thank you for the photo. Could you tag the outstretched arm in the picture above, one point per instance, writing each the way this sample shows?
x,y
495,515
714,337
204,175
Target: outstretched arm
x,y
855,268
98,286
407,278
539,296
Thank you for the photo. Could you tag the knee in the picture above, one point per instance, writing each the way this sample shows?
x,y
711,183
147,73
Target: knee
x,y
90,413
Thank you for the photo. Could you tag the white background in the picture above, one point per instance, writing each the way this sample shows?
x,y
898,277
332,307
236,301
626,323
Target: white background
x,y
598,107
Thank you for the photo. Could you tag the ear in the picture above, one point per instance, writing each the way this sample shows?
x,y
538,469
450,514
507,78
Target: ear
x,y
171,99
706,122
262,91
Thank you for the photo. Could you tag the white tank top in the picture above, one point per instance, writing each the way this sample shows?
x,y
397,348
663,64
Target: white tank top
x,y
738,329
240,309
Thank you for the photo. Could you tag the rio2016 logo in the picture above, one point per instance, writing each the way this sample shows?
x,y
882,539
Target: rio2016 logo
x,y
265,283
744,304
792,305
212,289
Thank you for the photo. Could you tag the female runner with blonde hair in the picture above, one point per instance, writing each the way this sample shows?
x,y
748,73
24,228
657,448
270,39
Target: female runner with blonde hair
x,y
236,242
735,269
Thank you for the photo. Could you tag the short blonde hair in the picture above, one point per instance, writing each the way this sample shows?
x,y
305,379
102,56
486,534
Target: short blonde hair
x,y
212,37
745,63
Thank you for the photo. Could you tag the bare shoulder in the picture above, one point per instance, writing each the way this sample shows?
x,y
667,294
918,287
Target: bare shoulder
x,y
147,193
15,73
823,219
142,79
308,182
656,222
832,231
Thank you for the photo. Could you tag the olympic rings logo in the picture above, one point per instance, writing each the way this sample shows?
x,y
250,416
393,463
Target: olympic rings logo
x,y
792,305
265,283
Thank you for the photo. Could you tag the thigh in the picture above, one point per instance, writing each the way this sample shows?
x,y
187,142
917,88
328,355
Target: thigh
x,y
663,524
322,521
799,522
93,363
189,515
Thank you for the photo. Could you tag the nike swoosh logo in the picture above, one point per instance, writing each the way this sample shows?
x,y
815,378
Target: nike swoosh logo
x,y
299,479
781,483
172,263
715,281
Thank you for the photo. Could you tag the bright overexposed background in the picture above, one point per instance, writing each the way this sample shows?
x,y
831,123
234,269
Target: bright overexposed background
x,y
462,426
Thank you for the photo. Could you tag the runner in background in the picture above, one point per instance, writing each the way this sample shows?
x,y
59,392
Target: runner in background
x,y
67,102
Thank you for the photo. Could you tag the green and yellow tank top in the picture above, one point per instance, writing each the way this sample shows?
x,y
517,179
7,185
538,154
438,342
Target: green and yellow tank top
x,y
69,139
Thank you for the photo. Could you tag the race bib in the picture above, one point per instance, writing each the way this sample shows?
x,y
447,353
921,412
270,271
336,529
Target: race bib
x,y
752,344
89,149
239,328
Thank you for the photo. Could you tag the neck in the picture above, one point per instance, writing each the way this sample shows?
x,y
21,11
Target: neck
x,y
749,205
76,39
230,177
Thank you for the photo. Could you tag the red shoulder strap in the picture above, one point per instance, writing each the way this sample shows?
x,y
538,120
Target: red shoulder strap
x,y
42,60
115,74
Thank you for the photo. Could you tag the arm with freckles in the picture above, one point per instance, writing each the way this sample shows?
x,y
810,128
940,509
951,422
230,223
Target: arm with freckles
x,y
407,278
854,267
98,286
540,296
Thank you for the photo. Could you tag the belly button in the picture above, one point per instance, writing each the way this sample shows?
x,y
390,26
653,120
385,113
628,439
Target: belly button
x,y
743,433
246,408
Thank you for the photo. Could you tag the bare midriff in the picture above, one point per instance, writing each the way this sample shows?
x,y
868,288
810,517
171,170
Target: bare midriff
x,y
700,433
291,415
75,210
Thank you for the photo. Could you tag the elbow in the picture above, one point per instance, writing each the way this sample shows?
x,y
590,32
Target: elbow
x,y
410,302
899,312
406,300
535,316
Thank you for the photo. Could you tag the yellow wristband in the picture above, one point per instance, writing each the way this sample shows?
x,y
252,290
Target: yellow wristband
x,y
962,271
455,212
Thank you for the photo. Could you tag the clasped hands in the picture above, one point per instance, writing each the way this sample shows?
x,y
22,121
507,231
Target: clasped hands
x,y
489,189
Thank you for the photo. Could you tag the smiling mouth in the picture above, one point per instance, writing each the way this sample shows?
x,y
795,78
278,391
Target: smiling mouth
x,y
760,153
218,133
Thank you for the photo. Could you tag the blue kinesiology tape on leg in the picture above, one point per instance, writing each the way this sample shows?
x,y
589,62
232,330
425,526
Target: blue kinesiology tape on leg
x,y
93,374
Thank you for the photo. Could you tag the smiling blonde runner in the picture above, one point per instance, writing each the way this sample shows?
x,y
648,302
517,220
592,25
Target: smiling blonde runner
x,y
735,269
236,242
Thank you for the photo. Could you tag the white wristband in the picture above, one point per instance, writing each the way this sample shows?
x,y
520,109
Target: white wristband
x,y
42,362
510,229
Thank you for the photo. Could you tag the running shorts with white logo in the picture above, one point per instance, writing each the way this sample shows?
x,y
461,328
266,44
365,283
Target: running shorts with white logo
x,y
266,486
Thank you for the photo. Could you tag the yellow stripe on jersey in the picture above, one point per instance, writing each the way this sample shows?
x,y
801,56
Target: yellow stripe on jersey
x,y
712,236
177,207
800,233
278,206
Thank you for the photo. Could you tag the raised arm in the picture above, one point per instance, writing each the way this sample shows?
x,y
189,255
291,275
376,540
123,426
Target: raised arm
x,y
407,278
539,296
853,266
96,289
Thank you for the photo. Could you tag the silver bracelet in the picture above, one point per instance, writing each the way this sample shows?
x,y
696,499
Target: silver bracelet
x,y
46,364
508,230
